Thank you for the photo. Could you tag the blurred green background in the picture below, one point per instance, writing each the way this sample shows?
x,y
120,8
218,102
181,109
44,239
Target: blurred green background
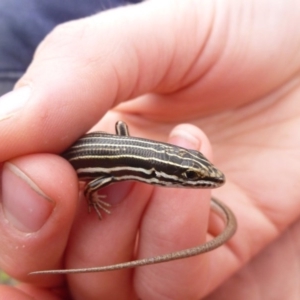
x,y
5,279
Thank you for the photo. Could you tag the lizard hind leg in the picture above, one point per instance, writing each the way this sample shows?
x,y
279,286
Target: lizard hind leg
x,y
96,202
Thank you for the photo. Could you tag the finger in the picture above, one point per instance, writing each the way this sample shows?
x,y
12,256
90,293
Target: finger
x,y
27,292
111,240
85,67
8,292
38,203
44,293
175,219
76,76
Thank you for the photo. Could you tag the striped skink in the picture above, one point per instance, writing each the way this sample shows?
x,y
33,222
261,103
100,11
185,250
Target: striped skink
x,y
102,159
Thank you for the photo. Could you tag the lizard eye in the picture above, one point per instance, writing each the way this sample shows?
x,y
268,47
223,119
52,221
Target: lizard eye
x,y
190,174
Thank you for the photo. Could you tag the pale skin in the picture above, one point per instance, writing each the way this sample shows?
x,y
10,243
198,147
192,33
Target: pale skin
x,y
227,67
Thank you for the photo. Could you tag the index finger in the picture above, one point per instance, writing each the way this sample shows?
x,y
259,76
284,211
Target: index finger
x,y
76,77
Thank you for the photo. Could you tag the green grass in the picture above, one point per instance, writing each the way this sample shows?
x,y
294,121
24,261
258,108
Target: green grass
x,y
5,279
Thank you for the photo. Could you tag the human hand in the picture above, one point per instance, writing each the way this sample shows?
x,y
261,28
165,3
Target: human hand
x,y
232,75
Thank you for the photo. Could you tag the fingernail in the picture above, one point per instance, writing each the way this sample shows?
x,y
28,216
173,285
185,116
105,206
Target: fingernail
x,y
25,205
184,139
13,101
